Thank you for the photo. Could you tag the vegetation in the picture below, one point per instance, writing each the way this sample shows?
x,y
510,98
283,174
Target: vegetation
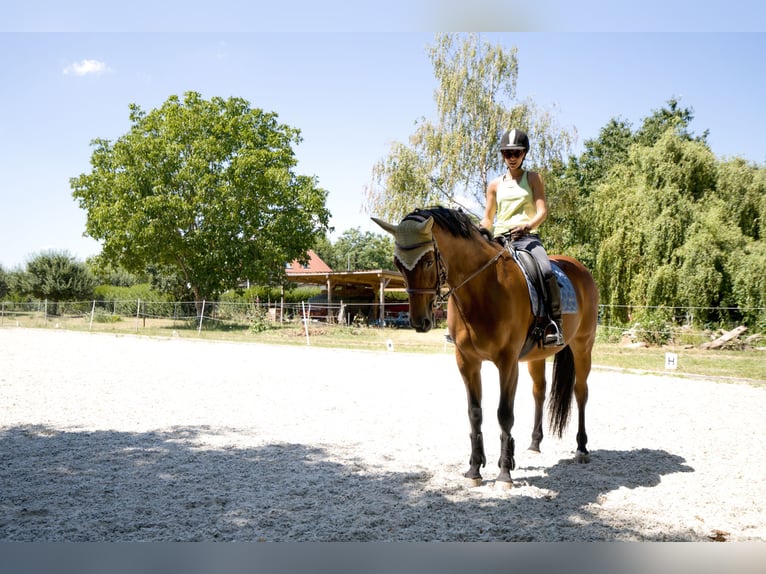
x,y
54,276
357,251
451,159
204,190
663,224
200,195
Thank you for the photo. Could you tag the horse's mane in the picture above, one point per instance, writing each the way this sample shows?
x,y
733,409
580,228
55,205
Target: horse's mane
x,y
455,221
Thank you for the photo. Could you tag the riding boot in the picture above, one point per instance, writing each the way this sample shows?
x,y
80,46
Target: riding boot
x,y
554,335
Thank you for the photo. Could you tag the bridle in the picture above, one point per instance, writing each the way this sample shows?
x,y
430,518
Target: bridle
x,y
441,272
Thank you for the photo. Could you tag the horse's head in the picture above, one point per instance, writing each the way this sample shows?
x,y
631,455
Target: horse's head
x,y
416,258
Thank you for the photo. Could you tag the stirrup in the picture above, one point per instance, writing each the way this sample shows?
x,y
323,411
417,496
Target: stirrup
x,y
553,336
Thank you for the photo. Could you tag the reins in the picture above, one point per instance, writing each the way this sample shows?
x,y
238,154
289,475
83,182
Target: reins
x,y
472,275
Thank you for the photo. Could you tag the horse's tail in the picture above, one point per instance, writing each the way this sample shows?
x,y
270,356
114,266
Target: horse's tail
x,y
560,402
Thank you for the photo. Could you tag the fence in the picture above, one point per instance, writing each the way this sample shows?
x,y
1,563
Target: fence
x,y
260,315
210,315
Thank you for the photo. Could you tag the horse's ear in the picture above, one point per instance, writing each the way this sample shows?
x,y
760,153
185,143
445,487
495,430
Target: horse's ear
x,y
387,226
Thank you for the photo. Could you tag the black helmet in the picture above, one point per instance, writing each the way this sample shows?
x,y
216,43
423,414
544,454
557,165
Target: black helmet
x,y
514,139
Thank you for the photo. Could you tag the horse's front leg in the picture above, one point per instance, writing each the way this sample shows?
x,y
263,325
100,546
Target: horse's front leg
x,y
471,374
509,378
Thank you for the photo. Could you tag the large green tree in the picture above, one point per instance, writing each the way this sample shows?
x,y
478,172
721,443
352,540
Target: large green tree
x,y
206,189
452,158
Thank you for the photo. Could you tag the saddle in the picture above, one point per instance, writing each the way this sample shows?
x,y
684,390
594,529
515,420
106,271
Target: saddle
x,y
534,277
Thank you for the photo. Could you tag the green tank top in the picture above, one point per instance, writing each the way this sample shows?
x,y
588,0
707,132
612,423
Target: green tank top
x,y
515,204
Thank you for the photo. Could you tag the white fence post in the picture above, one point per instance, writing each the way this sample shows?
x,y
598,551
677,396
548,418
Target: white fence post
x,y
306,321
92,312
201,315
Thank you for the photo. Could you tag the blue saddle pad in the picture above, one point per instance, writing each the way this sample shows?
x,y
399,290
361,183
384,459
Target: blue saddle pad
x,y
568,296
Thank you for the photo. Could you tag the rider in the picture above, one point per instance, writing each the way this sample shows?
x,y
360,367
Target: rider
x,y
517,198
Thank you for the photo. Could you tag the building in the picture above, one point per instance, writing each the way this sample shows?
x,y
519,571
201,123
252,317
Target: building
x,y
372,284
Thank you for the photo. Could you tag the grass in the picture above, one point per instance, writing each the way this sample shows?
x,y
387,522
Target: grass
x,y
749,366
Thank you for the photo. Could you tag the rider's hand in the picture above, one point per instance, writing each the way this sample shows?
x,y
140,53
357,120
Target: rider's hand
x,y
519,232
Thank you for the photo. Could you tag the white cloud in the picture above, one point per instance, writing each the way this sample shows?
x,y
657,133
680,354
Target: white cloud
x,y
85,67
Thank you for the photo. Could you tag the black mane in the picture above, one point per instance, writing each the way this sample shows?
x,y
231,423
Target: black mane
x,y
455,221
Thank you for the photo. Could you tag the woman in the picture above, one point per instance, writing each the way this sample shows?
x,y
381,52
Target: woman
x,y
517,200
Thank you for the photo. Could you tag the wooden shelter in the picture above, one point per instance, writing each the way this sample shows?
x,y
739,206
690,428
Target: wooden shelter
x,y
317,272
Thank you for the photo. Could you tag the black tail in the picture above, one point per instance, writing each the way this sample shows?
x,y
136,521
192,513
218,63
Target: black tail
x,y
560,402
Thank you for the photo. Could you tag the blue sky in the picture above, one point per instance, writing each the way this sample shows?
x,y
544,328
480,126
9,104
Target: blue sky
x,y
350,93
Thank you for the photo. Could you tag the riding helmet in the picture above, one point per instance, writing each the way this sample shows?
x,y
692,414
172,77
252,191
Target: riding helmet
x,y
514,139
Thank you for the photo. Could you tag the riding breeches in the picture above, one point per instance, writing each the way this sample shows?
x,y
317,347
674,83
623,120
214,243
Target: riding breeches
x,y
531,243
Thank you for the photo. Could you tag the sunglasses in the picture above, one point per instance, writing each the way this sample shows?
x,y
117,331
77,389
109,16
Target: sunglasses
x,y
507,153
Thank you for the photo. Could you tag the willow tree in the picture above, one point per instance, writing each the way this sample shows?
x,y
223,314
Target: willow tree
x,y
205,189
452,158
644,214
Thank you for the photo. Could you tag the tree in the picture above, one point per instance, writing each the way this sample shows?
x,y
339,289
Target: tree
x,y
57,276
357,251
4,289
670,116
453,159
205,189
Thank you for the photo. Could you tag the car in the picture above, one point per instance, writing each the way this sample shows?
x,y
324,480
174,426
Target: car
x,y
402,320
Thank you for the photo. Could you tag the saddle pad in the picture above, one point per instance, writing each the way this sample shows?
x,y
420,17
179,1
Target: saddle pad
x,y
568,297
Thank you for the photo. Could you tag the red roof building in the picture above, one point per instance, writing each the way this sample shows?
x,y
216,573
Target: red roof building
x,y
315,265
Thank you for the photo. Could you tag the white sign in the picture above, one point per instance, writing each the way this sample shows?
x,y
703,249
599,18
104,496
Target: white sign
x,y
671,361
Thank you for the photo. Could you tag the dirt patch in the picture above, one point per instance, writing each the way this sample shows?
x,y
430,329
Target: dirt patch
x,y
112,438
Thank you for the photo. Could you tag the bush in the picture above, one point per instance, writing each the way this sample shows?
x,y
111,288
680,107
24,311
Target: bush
x,y
258,319
124,300
654,326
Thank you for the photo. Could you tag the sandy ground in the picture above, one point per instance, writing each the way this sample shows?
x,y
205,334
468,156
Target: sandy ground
x,y
122,438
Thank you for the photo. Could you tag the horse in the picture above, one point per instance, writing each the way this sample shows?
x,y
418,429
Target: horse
x,y
489,316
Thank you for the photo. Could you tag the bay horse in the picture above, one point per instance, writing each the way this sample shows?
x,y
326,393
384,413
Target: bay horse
x,y
489,316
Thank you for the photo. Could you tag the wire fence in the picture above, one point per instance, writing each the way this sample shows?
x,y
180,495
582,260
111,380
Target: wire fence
x,y
256,316
205,315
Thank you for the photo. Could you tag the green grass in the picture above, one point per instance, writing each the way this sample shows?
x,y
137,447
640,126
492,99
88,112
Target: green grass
x,y
738,365
725,365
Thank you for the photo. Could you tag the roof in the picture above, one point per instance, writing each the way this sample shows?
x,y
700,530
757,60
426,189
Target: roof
x,y
315,265
371,279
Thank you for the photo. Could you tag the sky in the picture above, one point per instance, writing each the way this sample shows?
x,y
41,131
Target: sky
x,y
352,82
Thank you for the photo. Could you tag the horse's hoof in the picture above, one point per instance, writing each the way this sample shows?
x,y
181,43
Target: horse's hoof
x,y
503,485
536,450
582,457
472,482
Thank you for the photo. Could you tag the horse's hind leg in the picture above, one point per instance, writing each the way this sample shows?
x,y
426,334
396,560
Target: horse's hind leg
x,y
537,372
582,362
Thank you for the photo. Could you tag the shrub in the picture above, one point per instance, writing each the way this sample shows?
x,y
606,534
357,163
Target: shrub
x,y
654,326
